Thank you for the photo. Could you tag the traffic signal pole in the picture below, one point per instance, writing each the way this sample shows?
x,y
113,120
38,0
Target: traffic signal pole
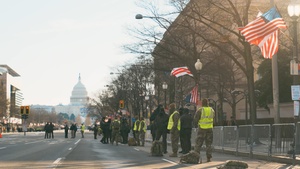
x,y
24,111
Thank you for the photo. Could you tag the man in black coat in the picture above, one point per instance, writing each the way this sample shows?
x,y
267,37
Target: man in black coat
x,y
160,120
66,130
186,122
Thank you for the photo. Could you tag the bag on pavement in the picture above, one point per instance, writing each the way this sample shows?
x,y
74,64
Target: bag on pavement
x,y
132,142
190,158
157,148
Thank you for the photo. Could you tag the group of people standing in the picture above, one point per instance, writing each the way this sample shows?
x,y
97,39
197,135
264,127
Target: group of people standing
x,y
179,123
49,127
74,129
114,130
139,131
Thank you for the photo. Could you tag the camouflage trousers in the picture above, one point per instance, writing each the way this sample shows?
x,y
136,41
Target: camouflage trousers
x,y
137,137
115,134
174,140
207,136
142,137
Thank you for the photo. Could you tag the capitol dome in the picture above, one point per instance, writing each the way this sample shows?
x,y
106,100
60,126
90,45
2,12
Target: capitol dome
x,y
79,94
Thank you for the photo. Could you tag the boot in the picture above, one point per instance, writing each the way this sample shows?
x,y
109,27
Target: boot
x,y
173,155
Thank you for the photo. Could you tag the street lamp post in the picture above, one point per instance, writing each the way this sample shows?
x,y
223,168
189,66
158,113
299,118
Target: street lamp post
x,y
198,66
146,98
165,87
294,12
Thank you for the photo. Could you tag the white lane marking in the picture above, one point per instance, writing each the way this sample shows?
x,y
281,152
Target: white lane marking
x,y
70,148
32,142
77,141
137,149
57,161
172,162
2,147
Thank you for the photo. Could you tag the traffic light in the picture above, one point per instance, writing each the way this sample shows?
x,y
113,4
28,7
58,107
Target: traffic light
x,y
27,110
22,110
121,104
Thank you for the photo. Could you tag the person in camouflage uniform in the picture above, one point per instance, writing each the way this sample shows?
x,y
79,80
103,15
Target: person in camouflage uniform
x,y
136,130
204,118
174,127
115,127
142,131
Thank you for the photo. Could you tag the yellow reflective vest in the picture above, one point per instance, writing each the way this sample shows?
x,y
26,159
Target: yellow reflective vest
x,y
207,118
144,128
171,122
136,125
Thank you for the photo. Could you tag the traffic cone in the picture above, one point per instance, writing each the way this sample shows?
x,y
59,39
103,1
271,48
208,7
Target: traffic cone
x,y
0,135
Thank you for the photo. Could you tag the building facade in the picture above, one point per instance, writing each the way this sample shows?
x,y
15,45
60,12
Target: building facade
x,y
11,95
78,101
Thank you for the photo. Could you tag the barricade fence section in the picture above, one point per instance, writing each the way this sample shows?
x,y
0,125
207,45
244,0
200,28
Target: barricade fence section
x,y
276,140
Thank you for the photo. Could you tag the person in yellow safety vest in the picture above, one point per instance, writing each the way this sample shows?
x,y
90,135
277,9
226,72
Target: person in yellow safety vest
x,y
82,128
174,127
136,131
204,117
142,131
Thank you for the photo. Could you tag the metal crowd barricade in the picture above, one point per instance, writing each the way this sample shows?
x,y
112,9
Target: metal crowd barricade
x,y
277,140
261,139
282,139
218,137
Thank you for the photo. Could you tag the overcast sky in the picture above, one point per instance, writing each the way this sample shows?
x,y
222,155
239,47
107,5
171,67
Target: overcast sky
x,y
49,42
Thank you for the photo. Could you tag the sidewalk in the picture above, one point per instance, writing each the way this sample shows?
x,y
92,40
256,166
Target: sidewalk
x,y
220,159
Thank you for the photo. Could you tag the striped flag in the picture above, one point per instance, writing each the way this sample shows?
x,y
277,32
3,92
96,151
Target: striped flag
x,y
192,97
181,71
263,32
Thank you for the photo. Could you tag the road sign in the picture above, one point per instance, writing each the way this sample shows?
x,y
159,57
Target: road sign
x,y
295,92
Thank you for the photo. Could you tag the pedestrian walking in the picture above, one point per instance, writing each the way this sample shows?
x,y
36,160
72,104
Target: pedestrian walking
x,y
174,128
204,117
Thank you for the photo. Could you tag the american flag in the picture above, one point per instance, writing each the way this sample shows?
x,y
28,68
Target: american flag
x,y
263,32
181,71
192,97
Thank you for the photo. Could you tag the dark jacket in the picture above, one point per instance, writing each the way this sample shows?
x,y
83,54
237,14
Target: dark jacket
x,y
186,121
161,120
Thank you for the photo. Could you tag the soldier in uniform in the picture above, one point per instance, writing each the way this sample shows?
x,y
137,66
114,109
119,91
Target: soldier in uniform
x,y
204,117
115,128
142,131
174,127
136,127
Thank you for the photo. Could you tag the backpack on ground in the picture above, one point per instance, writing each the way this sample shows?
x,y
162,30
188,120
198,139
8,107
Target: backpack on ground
x,y
132,142
190,158
157,148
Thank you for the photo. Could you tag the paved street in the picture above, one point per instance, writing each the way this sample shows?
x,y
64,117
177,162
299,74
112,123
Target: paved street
x,y
33,151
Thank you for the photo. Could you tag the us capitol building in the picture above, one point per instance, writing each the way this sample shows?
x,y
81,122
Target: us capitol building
x,y
78,101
